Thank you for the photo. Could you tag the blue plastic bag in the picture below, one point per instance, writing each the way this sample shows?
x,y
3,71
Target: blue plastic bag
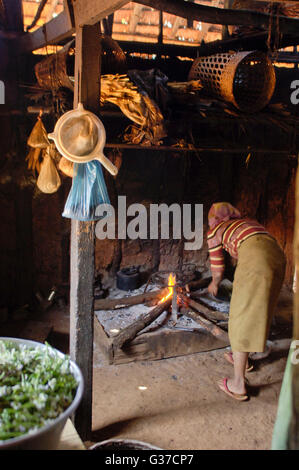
x,y
88,191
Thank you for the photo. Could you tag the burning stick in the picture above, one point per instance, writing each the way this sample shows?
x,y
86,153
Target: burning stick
x,y
207,324
213,314
204,322
131,331
174,307
112,304
173,294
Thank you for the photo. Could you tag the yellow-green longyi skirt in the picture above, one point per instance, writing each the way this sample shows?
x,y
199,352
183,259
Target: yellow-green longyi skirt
x,y
257,282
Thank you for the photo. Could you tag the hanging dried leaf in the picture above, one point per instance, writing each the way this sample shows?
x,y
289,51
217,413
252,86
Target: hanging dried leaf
x,y
138,107
33,159
38,137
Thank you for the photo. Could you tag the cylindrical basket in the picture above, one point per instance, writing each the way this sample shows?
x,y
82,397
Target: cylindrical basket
x,y
245,79
52,72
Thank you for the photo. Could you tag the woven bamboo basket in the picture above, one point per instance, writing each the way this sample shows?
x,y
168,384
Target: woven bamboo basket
x,y
52,72
245,79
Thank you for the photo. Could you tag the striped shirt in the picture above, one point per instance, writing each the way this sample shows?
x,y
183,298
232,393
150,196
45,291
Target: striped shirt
x,y
228,236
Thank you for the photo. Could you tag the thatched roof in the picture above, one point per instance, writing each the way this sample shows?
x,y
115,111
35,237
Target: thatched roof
x,y
52,9
135,22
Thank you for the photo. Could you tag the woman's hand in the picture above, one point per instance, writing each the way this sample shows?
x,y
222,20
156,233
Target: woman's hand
x,y
213,288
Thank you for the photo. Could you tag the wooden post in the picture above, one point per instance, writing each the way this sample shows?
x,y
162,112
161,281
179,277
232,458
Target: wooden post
x,y
294,428
14,15
225,32
160,35
87,91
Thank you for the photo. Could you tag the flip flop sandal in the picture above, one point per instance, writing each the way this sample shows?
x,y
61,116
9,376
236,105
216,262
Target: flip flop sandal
x,y
229,357
224,388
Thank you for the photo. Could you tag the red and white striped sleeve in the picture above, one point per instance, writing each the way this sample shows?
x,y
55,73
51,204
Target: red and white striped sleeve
x,y
216,253
217,261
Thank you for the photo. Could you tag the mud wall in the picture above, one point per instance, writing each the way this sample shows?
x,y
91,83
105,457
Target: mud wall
x,y
34,243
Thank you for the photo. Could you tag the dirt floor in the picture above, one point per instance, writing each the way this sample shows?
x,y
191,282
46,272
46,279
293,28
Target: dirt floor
x,y
179,405
182,408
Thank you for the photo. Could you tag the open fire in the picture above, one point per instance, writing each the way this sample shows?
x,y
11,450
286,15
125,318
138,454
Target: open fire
x,y
176,300
171,284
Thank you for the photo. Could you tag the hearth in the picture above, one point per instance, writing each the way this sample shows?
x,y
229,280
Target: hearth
x,y
171,315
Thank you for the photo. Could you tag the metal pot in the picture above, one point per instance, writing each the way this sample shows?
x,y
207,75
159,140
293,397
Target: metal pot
x,y
128,278
123,444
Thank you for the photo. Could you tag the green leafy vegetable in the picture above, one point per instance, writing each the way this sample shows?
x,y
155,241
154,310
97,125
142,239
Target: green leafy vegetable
x,y
36,386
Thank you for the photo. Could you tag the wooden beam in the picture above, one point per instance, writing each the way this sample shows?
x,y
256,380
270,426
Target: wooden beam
x,y
61,27
92,11
225,31
87,91
52,9
37,14
135,17
56,30
160,33
178,22
281,1
222,16
89,11
171,50
220,150
249,42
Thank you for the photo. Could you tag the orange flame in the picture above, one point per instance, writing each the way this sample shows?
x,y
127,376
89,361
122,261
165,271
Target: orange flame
x,y
171,282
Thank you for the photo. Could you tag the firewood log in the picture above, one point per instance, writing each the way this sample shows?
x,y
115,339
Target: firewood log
x,y
212,314
207,324
131,331
113,304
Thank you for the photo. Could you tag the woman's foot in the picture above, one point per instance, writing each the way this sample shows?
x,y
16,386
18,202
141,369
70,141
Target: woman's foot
x,y
233,388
